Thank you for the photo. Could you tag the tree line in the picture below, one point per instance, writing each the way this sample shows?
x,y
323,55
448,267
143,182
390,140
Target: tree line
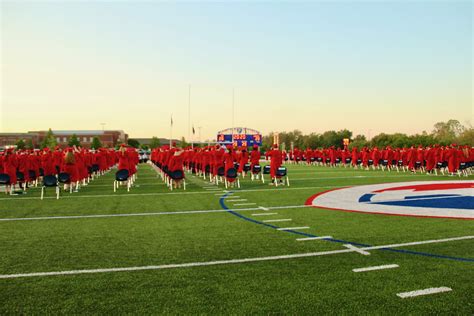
x,y
443,133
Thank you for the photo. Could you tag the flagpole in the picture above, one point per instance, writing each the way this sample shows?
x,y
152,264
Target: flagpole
x,y
233,99
171,130
189,112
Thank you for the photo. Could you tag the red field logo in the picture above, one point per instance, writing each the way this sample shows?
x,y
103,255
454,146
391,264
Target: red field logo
x,y
445,199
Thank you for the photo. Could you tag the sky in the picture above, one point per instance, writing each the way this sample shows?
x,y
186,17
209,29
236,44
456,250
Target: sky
x,y
370,67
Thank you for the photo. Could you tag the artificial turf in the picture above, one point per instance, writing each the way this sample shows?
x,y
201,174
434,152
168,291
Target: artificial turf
x,y
312,285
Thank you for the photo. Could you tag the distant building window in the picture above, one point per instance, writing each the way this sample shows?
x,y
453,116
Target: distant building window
x,y
64,139
84,139
90,139
58,139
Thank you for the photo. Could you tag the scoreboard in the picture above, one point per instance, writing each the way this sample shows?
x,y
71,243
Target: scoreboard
x,y
243,137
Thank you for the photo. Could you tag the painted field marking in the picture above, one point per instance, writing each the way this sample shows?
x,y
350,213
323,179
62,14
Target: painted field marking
x,y
277,220
160,193
243,204
144,214
219,194
313,238
293,228
263,214
359,250
432,290
220,262
387,266
264,208
237,200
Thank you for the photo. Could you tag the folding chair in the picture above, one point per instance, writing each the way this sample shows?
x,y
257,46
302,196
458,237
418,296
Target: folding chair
x,y
256,172
281,173
176,176
122,176
50,182
65,178
266,170
231,177
5,181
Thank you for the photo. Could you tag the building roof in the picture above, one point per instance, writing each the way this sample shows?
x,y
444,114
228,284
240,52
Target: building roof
x,y
84,132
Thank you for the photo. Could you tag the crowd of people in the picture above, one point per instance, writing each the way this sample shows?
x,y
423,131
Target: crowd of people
x,y
450,160
215,163
218,163
24,168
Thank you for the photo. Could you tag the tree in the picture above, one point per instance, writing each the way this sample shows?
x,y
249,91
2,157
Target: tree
x,y
20,144
466,137
29,144
133,143
49,141
359,141
446,132
96,144
155,142
74,141
183,142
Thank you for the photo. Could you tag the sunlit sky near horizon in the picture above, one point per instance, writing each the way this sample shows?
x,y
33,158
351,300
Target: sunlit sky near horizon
x,y
370,66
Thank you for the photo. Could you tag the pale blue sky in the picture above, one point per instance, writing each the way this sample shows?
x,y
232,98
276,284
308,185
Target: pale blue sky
x,y
383,66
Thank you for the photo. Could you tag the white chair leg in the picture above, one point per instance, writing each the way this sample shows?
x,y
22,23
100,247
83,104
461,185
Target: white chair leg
x,y
287,181
128,185
184,184
42,192
171,185
238,183
57,193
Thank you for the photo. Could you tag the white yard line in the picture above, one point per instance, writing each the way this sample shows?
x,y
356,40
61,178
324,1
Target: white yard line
x,y
356,177
387,266
419,243
293,228
237,200
124,195
277,220
313,238
146,214
263,214
263,208
231,261
244,204
359,250
432,290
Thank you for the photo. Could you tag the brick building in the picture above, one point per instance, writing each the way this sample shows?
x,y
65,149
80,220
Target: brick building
x,y
109,138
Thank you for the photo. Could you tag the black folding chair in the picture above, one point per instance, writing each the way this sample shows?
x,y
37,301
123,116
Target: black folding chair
x,y
231,177
50,182
175,176
65,178
256,172
122,176
5,181
281,173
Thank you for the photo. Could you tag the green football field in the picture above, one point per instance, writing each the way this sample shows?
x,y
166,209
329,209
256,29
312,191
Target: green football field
x,y
207,251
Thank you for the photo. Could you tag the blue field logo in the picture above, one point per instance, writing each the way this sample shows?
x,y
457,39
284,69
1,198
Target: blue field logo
x,y
449,199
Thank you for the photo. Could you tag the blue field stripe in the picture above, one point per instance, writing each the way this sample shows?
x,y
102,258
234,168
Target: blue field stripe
x,y
224,206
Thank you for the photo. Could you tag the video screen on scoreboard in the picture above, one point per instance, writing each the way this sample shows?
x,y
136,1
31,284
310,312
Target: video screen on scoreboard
x,y
240,139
